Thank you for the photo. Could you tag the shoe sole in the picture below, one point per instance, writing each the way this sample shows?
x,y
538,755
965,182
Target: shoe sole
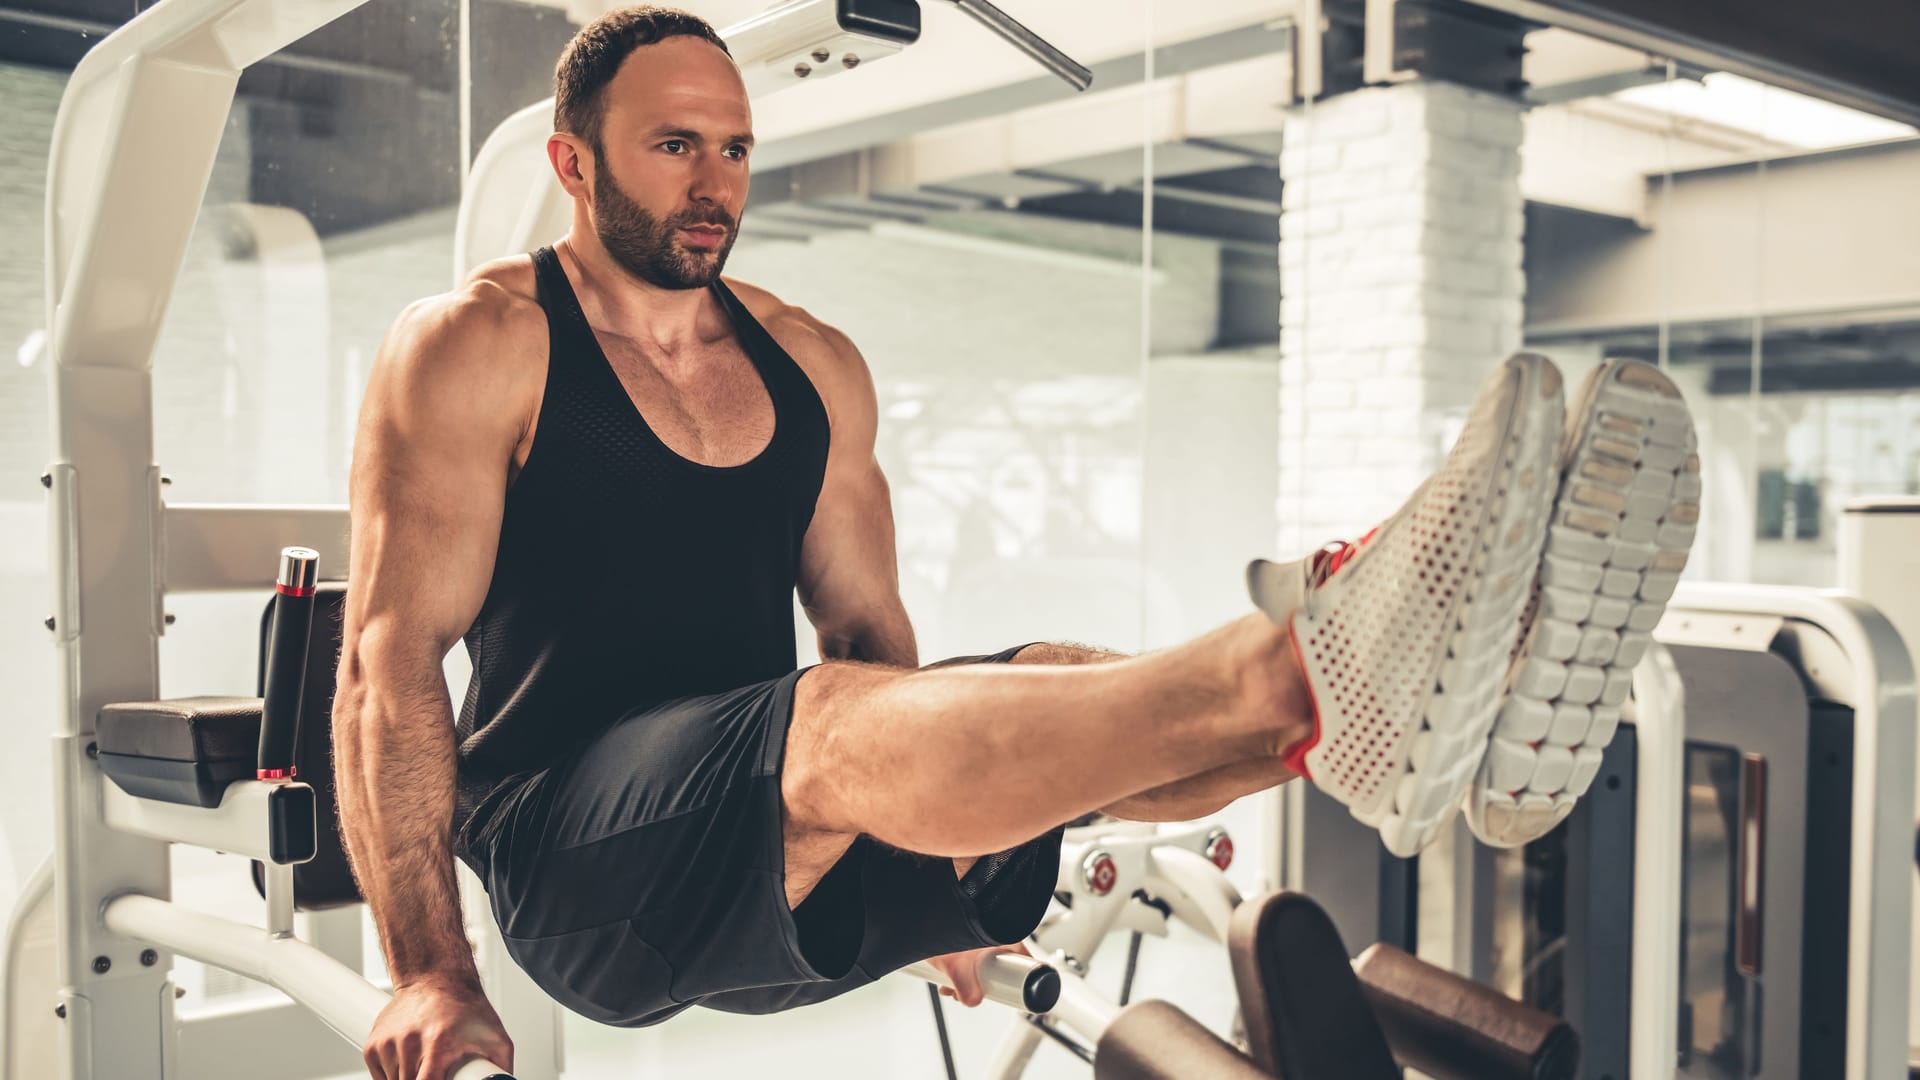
x,y
1623,522
1409,784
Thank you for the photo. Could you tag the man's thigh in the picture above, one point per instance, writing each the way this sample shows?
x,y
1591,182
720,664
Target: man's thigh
x,y
811,853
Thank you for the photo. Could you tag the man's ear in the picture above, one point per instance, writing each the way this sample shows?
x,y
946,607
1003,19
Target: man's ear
x,y
572,162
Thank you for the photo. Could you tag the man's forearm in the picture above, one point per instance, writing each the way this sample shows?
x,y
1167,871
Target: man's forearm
x,y
886,638
394,767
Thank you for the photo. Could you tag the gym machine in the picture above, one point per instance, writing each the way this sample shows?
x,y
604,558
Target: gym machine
x,y
1879,549
88,990
1733,897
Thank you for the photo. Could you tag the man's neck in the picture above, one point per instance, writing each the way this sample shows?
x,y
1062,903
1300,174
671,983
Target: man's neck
x,y
614,299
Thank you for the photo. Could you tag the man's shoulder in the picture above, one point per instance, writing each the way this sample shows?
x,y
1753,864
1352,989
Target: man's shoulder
x,y
487,337
497,298
492,319
819,348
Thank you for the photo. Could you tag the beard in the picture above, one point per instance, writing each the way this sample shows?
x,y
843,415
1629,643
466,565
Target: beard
x,y
649,247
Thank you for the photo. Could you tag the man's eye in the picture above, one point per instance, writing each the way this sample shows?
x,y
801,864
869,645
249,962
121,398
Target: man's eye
x,y
737,152
672,146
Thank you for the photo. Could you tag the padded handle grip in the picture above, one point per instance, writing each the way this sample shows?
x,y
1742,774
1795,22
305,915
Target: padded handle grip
x,y
1453,1028
287,662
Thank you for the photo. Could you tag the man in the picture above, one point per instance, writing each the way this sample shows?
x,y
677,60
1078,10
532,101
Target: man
x,y
609,470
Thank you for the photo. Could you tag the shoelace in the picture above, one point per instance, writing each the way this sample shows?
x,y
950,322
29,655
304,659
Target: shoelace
x,y
1327,562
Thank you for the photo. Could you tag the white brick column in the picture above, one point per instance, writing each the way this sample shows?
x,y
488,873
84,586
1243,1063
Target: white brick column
x,y
1400,286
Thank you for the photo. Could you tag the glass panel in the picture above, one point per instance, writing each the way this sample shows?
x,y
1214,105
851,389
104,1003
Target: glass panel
x,y
1207,196
330,208
32,95
1530,943
1838,410
1768,273
1714,1043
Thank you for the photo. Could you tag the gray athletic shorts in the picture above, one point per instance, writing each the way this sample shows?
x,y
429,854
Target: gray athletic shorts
x,y
645,874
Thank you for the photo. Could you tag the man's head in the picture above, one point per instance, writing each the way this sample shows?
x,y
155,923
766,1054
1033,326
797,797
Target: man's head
x,y
652,134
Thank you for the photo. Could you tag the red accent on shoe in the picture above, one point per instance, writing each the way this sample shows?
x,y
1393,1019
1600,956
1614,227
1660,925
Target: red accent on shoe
x,y
1295,757
1336,554
1326,563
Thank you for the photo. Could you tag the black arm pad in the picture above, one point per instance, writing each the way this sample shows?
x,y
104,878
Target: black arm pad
x,y
1453,1028
1152,1040
1307,1016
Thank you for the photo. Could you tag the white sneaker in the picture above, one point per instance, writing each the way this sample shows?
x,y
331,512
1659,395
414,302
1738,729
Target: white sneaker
x,y
1405,639
1623,521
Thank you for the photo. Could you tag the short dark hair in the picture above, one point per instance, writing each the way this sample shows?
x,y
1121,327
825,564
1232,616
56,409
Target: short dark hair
x,y
595,54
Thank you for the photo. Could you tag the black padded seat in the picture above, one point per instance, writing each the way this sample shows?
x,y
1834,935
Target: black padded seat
x,y
187,750
182,751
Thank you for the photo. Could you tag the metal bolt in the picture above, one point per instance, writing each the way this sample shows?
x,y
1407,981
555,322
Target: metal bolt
x,y
821,56
170,618
803,69
49,622
93,750
1219,850
148,958
101,965
850,61
165,480
1099,873
179,992
60,1011
46,480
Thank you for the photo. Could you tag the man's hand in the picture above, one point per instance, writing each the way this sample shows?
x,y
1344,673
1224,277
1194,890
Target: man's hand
x,y
962,969
433,1027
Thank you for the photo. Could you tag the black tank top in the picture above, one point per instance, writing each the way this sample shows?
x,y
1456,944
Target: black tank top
x,y
628,575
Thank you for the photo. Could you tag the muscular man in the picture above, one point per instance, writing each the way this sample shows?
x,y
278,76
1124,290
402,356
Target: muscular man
x,y
609,469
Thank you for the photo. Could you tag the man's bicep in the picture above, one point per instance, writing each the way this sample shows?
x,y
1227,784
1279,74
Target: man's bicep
x,y
424,540
849,569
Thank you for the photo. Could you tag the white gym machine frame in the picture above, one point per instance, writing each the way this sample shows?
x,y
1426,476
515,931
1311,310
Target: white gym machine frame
x,y
1111,872
133,147
1856,658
